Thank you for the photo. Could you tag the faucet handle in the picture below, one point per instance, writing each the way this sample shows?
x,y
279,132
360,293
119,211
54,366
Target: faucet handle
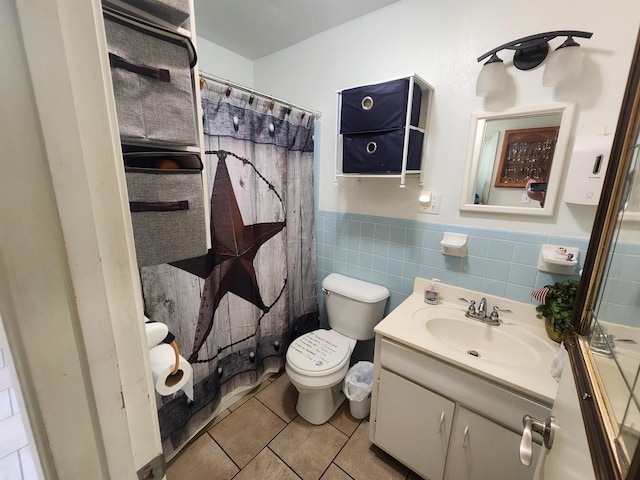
x,y
494,313
472,307
503,310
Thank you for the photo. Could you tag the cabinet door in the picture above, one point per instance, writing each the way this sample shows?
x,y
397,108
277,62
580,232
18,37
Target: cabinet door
x,y
481,449
413,424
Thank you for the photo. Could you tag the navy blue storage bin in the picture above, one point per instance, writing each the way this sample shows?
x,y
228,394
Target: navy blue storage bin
x,y
380,152
380,107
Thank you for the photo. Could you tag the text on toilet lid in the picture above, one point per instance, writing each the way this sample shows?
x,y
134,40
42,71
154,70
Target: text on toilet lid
x,y
316,349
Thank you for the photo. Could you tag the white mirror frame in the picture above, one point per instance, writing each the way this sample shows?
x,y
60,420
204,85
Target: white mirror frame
x,y
476,136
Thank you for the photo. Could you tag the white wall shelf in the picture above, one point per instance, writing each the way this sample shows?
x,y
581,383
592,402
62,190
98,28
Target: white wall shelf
x,y
558,259
427,93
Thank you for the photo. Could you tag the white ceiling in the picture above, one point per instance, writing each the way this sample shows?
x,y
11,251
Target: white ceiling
x,y
255,28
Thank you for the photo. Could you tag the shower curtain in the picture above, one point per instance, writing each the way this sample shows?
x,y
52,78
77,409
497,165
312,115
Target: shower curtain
x,y
235,310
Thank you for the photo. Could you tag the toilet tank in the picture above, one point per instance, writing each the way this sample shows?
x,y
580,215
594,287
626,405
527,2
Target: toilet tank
x,y
354,307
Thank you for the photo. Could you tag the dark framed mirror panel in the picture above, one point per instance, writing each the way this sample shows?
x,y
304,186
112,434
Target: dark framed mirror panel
x,y
612,457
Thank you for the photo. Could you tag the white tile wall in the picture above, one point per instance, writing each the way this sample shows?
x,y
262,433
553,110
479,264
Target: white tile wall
x,y
16,461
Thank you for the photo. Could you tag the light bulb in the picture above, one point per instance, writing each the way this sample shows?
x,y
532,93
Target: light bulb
x,y
492,78
564,65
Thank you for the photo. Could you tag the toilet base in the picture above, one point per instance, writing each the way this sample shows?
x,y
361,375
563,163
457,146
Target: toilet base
x,y
318,406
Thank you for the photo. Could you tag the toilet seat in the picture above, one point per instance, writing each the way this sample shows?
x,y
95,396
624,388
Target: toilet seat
x,y
319,353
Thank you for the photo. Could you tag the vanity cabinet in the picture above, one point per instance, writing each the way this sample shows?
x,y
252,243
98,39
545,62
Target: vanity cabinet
x,y
482,449
444,422
413,423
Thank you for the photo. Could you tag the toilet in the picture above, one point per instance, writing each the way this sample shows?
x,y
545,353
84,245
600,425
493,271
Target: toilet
x,y
317,362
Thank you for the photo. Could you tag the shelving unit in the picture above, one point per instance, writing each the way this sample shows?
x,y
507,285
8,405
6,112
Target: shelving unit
x,y
423,123
136,11
185,29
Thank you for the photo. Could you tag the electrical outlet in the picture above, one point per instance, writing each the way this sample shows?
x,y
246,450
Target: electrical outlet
x,y
432,207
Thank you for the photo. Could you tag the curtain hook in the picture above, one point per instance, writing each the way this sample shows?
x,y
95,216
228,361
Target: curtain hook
x,y
203,82
288,110
272,104
228,92
252,97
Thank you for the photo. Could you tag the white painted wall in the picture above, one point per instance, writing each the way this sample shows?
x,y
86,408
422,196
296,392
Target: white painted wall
x,y
223,63
440,41
70,295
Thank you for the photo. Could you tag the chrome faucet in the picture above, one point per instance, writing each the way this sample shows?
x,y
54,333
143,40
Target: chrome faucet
x,y
601,341
482,308
481,312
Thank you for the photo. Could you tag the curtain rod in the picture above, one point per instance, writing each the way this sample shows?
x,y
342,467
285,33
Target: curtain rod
x,y
207,76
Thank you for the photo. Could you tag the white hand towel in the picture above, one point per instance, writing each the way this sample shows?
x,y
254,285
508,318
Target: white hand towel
x,y
557,364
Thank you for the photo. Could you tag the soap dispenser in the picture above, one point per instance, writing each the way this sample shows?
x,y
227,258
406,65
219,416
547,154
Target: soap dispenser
x,y
431,293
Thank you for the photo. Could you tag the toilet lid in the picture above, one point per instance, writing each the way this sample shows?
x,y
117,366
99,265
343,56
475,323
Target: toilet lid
x,y
318,351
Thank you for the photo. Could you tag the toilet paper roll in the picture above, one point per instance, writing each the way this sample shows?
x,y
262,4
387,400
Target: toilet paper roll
x,y
156,333
162,359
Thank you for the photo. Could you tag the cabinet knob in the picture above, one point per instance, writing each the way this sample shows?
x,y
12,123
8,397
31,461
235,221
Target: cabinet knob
x,y
546,429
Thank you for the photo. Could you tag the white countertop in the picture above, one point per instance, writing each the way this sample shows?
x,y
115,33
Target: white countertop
x,y
531,379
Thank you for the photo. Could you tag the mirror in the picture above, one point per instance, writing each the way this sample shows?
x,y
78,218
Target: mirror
x,y
515,159
604,344
615,336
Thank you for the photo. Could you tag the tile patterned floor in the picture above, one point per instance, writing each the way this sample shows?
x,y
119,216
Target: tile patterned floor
x,y
16,462
263,437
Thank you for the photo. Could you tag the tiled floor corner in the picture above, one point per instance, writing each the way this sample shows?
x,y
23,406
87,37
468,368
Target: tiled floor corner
x,y
262,436
308,449
247,431
16,462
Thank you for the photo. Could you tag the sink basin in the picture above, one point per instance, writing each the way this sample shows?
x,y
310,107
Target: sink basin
x,y
504,344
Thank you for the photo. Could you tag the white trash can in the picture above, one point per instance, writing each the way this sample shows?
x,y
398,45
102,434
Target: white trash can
x,y
357,388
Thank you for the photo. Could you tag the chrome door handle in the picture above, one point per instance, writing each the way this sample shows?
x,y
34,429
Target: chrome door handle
x,y
546,429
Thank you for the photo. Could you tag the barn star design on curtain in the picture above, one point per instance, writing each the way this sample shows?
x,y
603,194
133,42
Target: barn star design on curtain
x,y
228,266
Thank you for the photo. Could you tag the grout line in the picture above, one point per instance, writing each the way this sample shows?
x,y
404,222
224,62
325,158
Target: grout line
x,y
275,413
20,462
266,446
272,411
339,468
225,452
13,401
337,429
283,461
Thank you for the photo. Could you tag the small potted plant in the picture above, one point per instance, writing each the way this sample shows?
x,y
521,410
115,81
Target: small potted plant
x,y
556,306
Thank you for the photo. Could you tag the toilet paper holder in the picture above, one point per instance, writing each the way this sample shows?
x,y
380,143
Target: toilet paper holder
x,y
157,333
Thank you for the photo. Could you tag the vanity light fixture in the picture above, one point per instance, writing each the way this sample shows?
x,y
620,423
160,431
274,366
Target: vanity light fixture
x,y
564,65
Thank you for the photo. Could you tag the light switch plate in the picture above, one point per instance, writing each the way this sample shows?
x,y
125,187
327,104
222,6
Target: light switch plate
x,y
436,201
432,207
